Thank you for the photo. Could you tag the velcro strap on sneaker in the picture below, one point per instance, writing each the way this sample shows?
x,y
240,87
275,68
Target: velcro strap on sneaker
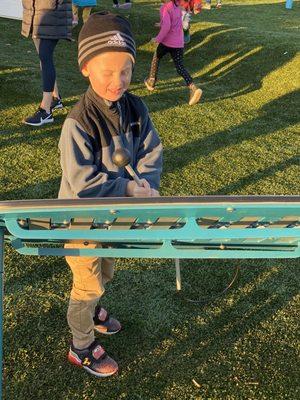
x,y
103,315
98,352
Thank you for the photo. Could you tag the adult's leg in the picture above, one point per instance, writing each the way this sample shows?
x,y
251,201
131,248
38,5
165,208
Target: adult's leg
x,y
45,49
75,11
86,12
55,92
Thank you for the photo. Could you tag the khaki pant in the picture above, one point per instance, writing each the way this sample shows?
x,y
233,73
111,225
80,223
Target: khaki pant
x,y
86,11
90,274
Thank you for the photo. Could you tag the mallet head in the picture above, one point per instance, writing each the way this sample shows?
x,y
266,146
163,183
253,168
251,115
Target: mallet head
x,y
121,157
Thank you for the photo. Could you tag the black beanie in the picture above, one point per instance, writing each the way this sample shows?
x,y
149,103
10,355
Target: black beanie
x,y
103,32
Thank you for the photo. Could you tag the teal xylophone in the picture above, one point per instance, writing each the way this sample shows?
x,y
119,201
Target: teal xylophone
x,y
163,227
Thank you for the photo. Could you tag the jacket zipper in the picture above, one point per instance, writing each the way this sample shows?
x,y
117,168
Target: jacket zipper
x,y
120,116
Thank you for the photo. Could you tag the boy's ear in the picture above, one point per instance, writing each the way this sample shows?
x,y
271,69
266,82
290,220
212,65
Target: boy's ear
x,y
85,71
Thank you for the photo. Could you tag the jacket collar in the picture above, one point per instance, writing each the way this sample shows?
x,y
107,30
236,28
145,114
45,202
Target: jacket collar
x,y
105,105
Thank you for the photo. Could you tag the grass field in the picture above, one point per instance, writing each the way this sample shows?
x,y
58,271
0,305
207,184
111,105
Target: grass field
x,y
242,139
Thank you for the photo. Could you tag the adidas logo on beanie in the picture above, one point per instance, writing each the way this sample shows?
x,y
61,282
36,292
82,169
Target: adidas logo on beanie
x,y
104,32
117,40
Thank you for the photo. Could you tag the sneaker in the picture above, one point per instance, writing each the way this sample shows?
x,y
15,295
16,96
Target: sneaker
x,y
56,103
195,95
150,84
39,118
94,360
104,323
125,6
116,5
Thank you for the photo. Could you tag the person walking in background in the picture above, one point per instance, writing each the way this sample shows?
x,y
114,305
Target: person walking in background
x,y
170,40
85,6
189,7
47,21
207,5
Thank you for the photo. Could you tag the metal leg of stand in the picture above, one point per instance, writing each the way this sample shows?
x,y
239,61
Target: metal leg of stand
x,y
1,304
178,276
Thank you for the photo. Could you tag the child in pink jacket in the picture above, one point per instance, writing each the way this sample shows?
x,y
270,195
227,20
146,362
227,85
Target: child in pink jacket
x,y
170,40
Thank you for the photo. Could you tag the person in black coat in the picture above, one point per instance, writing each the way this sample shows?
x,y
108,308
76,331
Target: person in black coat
x,y
47,21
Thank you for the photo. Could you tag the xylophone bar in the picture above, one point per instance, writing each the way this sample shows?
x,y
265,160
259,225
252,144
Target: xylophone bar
x,y
184,227
167,227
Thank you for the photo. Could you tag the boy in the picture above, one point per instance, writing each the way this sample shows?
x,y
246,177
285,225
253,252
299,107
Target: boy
x,y
106,117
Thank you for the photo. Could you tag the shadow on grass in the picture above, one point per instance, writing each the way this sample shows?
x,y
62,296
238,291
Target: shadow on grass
x,y
224,66
278,114
232,50
21,133
165,340
258,176
42,190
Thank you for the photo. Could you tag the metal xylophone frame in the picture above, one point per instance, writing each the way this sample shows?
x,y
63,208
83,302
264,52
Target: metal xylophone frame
x,y
163,227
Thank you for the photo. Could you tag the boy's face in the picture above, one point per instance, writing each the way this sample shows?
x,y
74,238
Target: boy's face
x,y
109,74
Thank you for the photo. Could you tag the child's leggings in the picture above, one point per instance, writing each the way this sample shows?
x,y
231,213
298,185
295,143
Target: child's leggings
x,y
86,12
45,49
177,56
90,274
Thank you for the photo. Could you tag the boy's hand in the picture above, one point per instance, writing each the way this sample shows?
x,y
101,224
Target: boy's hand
x,y
155,193
153,40
134,190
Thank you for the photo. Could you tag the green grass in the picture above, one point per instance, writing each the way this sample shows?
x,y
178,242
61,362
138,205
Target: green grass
x,y
242,139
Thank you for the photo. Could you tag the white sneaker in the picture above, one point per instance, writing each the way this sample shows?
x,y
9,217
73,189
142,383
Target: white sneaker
x,y
39,118
195,95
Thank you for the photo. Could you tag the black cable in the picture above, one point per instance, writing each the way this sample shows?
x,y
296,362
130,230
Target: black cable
x,y
210,299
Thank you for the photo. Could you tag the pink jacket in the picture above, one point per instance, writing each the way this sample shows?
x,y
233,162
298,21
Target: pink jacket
x,y
171,32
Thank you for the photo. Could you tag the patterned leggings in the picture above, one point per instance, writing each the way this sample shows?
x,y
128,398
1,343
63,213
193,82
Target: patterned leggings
x,y
177,56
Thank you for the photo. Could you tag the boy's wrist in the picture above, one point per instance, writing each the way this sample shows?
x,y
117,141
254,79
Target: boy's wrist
x,y
129,188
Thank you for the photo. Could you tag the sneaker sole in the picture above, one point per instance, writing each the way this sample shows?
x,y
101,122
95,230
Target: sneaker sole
x,y
73,359
46,121
196,98
106,333
58,107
